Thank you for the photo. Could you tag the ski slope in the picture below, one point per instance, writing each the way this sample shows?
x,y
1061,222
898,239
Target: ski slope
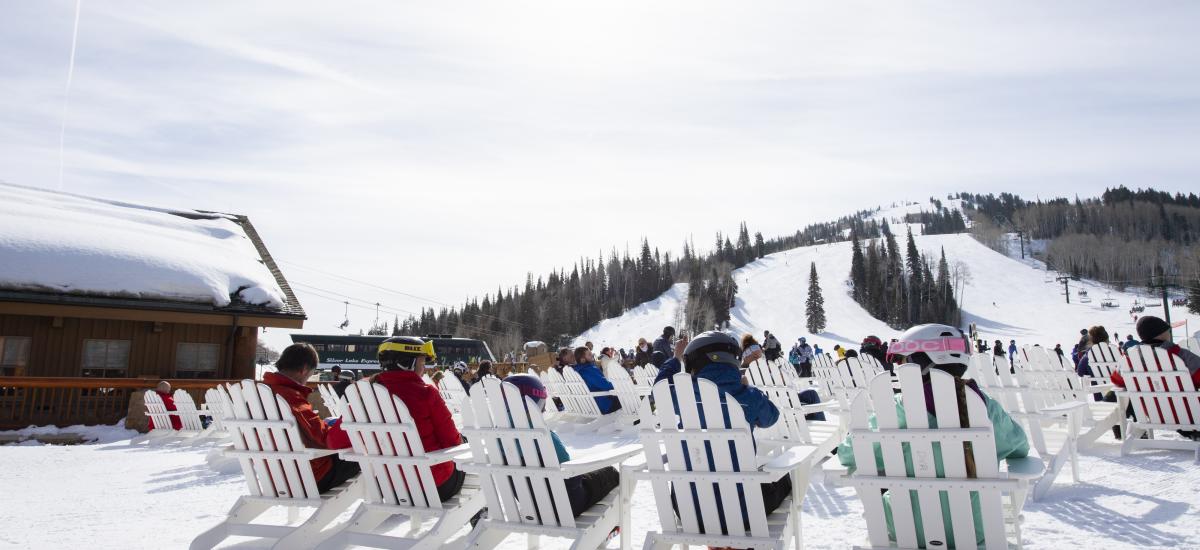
x,y
644,321
1006,298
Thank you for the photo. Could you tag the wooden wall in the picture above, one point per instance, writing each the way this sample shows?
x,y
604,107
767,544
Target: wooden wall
x,y
57,344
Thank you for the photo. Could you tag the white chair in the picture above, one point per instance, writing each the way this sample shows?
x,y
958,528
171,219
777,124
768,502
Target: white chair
x,y
522,480
278,472
329,398
218,406
793,427
630,396
673,439
452,392
1052,422
162,432
1160,389
193,419
876,435
397,476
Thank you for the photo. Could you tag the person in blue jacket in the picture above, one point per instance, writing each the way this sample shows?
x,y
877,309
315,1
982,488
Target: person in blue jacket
x,y
585,365
716,356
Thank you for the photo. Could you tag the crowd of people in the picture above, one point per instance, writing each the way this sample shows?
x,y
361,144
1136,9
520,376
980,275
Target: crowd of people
x,y
714,355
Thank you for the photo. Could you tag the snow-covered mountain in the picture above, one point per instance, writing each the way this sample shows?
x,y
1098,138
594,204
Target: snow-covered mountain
x,y
1006,298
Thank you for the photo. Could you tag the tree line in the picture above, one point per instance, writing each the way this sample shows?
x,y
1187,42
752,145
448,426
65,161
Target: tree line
x,y
901,288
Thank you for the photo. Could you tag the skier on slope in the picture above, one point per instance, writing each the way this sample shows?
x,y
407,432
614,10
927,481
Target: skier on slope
x,y
804,353
772,349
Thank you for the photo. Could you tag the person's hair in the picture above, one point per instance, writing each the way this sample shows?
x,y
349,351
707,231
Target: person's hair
x,y
335,369
297,357
563,351
668,331
580,353
485,367
1097,334
851,353
437,376
163,384
747,340
642,341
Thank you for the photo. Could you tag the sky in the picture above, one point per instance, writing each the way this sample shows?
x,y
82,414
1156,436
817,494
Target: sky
x,y
442,150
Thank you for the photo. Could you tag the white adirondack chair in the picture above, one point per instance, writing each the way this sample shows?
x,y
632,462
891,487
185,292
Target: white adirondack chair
x,y
193,419
691,430
219,406
1001,523
1160,389
630,396
641,376
1050,384
793,428
452,392
1052,423
844,380
329,398
523,482
162,432
580,411
398,480
278,473
1104,359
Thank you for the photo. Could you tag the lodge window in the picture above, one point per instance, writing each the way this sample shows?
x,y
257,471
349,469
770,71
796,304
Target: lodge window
x,y
197,360
105,358
14,354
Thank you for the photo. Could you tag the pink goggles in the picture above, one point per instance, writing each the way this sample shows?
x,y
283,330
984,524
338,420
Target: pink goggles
x,y
909,347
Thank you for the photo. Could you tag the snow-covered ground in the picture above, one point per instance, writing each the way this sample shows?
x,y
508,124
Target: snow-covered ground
x,y
644,321
113,496
1005,297
57,242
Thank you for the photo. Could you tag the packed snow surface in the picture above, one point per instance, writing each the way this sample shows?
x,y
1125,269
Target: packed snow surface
x,y
56,242
1006,298
644,321
116,496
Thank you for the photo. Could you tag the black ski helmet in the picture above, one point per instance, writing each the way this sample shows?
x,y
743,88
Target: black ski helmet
x,y
712,347
401,352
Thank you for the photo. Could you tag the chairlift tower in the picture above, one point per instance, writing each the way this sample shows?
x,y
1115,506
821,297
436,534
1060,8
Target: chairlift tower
x,y
1066,282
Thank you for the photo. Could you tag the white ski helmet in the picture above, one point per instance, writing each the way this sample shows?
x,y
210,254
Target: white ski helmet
x,y
941,345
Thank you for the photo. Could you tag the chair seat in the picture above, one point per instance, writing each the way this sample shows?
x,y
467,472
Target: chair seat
x,y
776,523
583,522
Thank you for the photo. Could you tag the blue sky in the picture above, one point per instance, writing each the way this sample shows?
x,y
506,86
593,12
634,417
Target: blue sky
x,y
446,148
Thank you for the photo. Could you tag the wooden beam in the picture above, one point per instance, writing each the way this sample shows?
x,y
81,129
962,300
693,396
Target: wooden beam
x,y
127,314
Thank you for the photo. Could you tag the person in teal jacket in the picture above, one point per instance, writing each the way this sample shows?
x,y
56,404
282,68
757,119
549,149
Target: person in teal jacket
x,y
1010,438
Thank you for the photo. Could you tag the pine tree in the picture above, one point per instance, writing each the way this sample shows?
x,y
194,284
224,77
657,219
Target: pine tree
x,y
858,268
815,306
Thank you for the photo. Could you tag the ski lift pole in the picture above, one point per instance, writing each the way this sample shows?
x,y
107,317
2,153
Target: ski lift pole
x,y
1066,282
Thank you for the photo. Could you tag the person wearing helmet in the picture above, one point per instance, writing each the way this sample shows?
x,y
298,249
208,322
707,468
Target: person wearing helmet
x,y
459,370
583,490
873,346
804,357
402,360
944,348
296,364
716,357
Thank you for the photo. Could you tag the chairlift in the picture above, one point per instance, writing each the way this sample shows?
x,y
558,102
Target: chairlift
x,y
1154,303
1049,277
1108,301
1085,299
1082,293
346,322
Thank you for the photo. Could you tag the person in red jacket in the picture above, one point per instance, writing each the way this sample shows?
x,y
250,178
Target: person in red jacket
x,y
164,391
296,364
402,359
1156,332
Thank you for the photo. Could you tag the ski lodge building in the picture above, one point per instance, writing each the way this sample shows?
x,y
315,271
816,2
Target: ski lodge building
x,y
100,300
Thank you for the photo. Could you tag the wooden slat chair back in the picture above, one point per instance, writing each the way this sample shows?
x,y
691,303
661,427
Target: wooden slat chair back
x,y
630,396
576,393
642,377
188,412
1160,390
218,405
1050,409
956,445
163,432
523,482
848,377
397,475
706,448
329,398
452,392
278,471
783,389
1104,359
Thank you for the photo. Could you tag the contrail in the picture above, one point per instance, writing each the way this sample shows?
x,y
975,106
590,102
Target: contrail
x,y
62,136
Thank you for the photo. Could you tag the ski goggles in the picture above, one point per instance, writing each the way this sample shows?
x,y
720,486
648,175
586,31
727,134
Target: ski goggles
x,y
909,347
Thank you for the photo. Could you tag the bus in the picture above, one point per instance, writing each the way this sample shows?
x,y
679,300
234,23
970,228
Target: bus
x,y
360,352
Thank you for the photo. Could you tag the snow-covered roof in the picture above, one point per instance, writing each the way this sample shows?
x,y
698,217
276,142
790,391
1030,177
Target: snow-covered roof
x,y
64,244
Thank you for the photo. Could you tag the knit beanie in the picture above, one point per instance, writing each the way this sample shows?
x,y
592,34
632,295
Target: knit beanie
x,y
1150,327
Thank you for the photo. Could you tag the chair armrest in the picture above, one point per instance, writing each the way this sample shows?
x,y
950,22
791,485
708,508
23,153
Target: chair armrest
x,y
459,452
790,459
1065,408
1027,468
595,461
317,453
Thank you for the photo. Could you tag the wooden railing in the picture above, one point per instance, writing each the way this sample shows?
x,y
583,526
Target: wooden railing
x,y
41,401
